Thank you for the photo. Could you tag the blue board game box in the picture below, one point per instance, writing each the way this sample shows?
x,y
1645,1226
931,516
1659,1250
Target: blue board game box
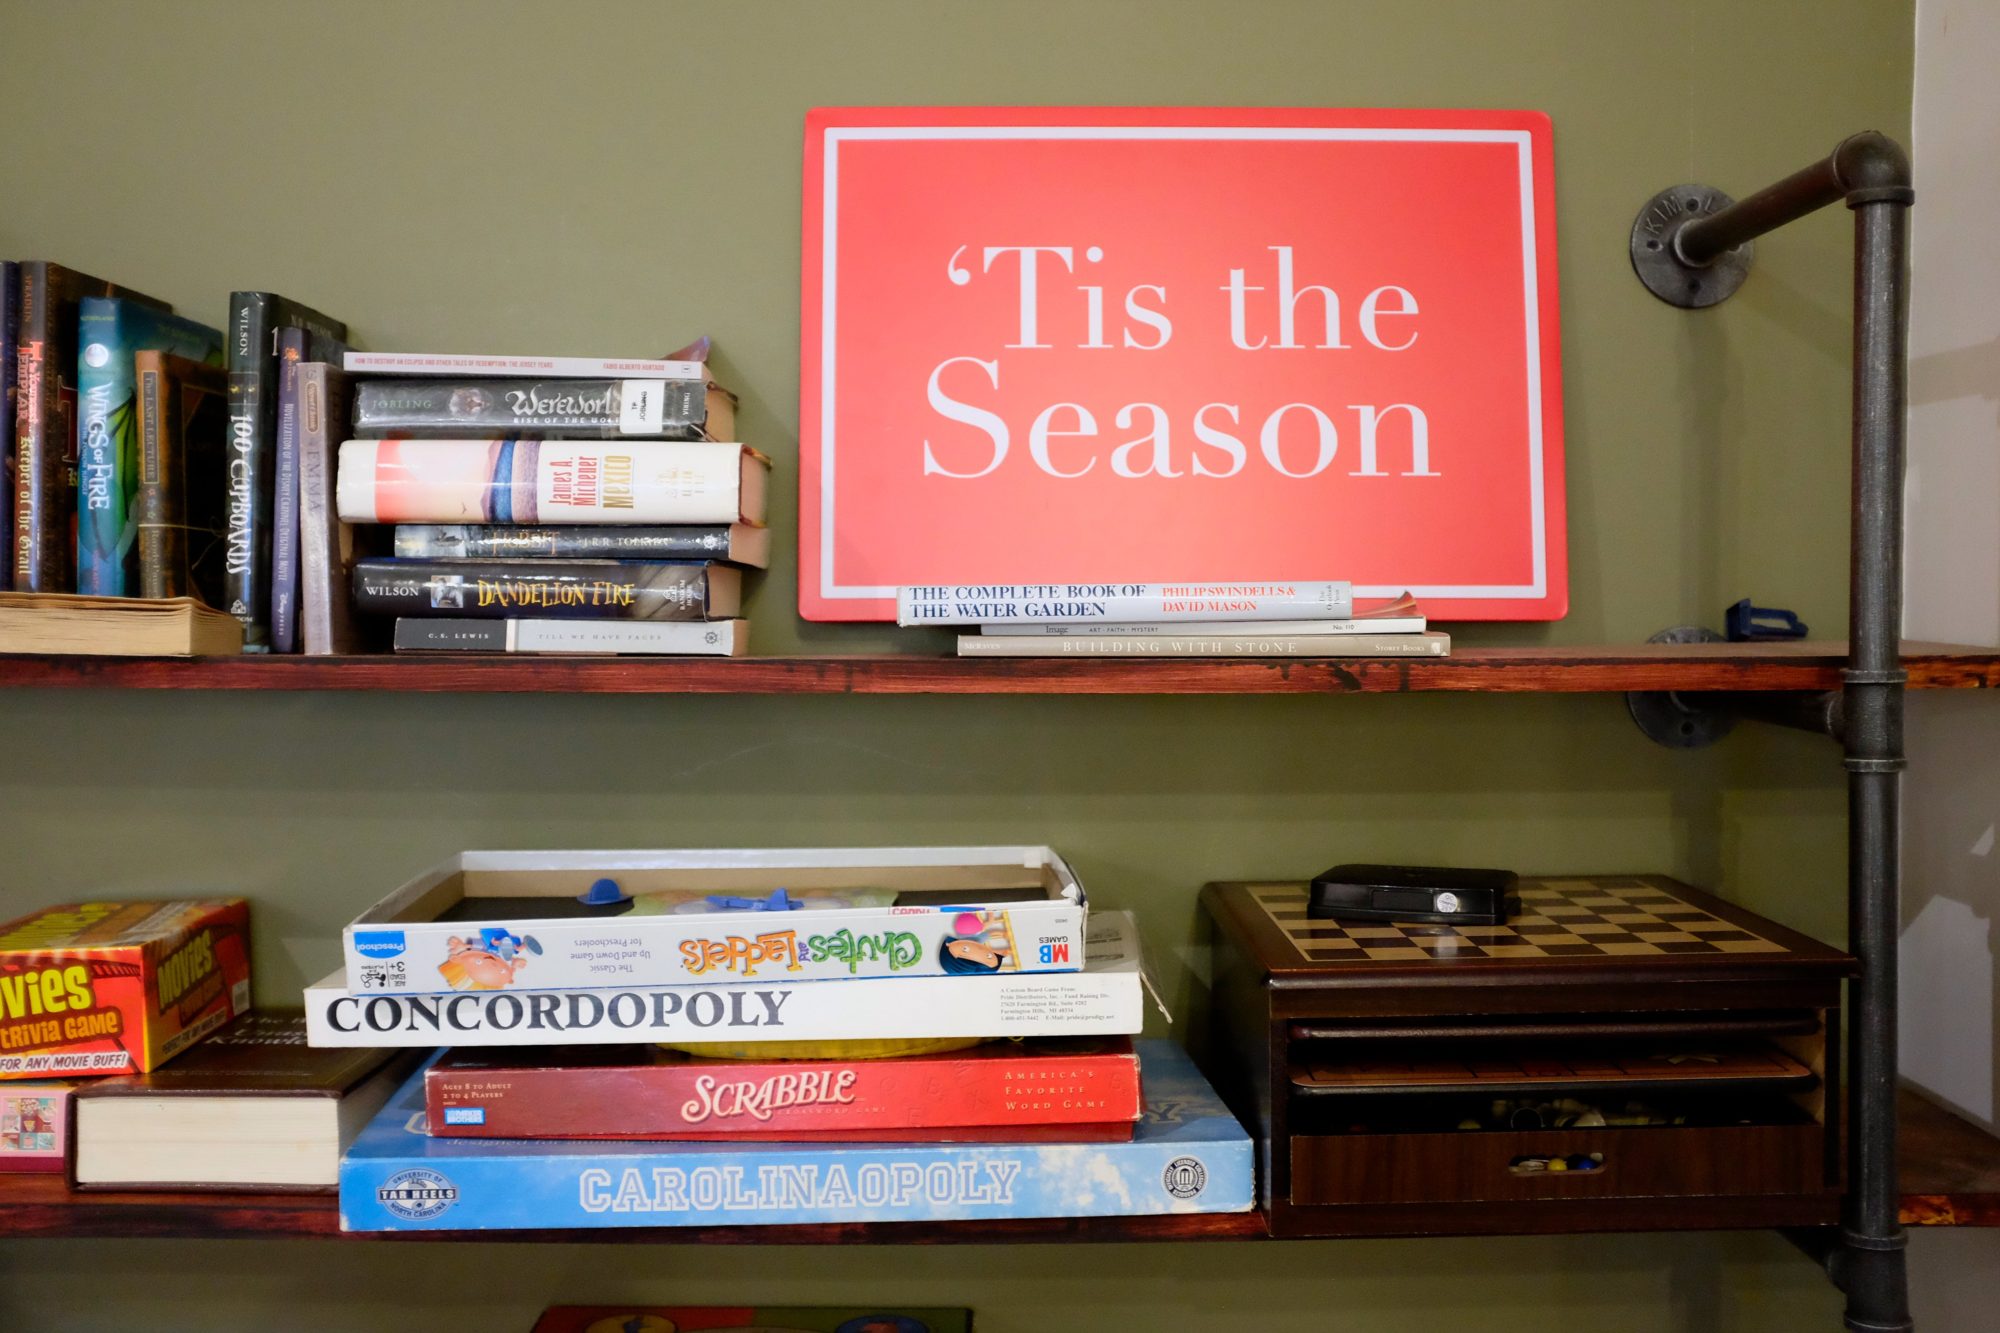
x,y
1188,1156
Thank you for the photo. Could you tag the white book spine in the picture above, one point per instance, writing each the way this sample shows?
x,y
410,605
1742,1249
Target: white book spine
x,y
1221,629
1106,999
1140,603
541,481
566,367
1432,644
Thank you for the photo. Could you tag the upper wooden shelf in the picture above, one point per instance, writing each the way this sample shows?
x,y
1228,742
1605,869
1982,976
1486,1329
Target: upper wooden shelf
x,y
1801,665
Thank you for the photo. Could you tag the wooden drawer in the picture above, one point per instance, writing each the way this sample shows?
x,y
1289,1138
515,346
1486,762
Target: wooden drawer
x,y
1476,1165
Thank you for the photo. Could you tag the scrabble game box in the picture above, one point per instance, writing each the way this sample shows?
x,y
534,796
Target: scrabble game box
x,y
118,987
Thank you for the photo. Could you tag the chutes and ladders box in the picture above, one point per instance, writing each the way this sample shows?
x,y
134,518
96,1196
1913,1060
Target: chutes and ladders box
x,y
486,921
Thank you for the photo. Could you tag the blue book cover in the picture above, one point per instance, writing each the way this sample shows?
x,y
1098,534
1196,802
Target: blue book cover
x,y
109,332
1188,1156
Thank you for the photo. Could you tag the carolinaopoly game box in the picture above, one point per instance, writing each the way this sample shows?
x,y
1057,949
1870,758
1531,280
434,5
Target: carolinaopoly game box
x,y
746,1319
118,987
486,921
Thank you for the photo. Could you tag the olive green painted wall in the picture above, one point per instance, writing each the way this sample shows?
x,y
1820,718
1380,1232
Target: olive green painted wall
x,y
507,177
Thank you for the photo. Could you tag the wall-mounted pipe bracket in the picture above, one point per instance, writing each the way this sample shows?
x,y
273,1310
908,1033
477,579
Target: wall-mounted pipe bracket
x,y
1657,255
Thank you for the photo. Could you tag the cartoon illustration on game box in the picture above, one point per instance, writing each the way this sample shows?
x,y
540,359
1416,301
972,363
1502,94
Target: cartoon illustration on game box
x,y
980,944
488,961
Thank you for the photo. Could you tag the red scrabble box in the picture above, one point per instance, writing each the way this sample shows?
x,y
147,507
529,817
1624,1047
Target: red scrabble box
x,y
118,987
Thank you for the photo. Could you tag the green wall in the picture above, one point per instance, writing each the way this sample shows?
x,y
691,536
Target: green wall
x,y
499,177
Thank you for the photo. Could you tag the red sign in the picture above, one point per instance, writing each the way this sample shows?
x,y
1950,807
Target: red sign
x,y
1148,346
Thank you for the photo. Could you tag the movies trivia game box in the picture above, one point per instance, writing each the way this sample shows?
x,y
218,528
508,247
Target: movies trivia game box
x,y
118,987
487,921
745,1319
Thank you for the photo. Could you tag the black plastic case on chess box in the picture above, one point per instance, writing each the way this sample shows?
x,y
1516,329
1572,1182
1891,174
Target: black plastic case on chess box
x,y
1598,959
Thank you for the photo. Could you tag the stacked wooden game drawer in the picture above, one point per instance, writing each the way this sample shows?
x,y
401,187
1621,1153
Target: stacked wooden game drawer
x,y
1625,1052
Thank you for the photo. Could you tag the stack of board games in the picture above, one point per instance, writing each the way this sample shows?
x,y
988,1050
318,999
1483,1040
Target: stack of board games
x,y
553,504
704,1020
1273,619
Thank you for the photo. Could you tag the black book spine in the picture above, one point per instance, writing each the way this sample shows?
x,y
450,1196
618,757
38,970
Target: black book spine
x,y
462,636
584,590
500,541
532,409
253,392
10,339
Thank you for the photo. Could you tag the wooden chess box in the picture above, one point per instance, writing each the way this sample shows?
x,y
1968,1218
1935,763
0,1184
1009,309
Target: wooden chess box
x,y
1628,1052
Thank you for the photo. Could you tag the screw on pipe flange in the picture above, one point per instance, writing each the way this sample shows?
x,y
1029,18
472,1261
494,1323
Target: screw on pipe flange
x,y
1656,255
1679,721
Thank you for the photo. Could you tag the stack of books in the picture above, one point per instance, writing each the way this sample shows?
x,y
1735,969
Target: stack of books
x,y
1280,619
552,504
658,1053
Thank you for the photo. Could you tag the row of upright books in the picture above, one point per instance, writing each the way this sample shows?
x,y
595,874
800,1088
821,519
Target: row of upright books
x,y
538,503
658,1039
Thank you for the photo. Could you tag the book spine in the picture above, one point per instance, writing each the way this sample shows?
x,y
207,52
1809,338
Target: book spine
x,y
162,509
707,638
37,562
551,367
1137,602
326,545
10,342
599,590
486,541
676,1101
104,350
250,418
1219,629
530,481
586,409
285,496
1430,644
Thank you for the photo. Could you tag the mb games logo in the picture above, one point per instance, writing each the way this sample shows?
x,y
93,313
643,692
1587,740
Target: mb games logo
x,y
417,1195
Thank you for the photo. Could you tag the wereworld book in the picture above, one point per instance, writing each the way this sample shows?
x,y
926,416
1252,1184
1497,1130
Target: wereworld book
x,y
1189,1155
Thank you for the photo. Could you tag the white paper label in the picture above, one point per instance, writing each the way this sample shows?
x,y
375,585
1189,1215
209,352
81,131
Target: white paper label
x,y
642,407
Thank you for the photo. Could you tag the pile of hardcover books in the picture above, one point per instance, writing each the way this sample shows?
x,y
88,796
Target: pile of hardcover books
x,y
1279,619
680,1039
553,504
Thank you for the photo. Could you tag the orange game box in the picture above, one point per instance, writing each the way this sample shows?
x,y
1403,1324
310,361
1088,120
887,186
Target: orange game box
x,y
118,987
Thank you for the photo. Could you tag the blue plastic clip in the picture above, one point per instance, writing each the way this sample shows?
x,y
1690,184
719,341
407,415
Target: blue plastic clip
x,y
1745,623
779,901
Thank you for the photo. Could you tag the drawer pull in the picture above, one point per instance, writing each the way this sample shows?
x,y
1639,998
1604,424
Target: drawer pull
x,y
1556,1164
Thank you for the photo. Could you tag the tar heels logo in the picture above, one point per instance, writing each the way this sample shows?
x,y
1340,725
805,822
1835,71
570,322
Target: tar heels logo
x,y
378,943
417,1195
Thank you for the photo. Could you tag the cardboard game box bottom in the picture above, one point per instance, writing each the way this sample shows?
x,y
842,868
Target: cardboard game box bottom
x,y
745,1319
1188,1156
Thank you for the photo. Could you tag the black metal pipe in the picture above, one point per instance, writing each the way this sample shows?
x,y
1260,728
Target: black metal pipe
x,y
1867,164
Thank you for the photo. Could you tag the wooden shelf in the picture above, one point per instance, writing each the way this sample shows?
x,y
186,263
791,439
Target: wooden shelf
x,y
1559,670
1950,1169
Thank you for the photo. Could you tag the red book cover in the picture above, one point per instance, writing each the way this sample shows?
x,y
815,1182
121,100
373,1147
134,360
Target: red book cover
x,y
645,1092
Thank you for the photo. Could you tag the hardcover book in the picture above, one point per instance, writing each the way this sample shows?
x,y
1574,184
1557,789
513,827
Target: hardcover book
x,y
551,481
600,409
569,589
10,339
285,497
657,638
183,503
45,438
250,1107
327,546
646,1092
118,987
254,321
1188,1155
748,1319
1106,999
738,543
112,331
34,1126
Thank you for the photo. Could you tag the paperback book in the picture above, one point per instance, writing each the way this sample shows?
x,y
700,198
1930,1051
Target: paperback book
x,y
646,1092
1067,603
738,543
112,332
657,638
551,481
528,367
1107,998
328,547
570,589
1432,643
1188,1155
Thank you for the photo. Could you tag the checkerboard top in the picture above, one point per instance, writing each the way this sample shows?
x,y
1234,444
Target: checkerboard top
x,y
1599,920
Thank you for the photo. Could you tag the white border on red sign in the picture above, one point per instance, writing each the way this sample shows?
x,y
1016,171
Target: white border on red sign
x,y
829,231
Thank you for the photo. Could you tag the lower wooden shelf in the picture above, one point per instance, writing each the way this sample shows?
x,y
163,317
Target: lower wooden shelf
x,y
1950,1169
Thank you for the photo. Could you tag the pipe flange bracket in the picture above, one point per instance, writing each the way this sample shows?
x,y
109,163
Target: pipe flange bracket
x,y
1679,721
1849,676
1657,259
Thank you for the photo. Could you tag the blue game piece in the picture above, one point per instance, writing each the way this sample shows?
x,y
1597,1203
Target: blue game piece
x,y
602,892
